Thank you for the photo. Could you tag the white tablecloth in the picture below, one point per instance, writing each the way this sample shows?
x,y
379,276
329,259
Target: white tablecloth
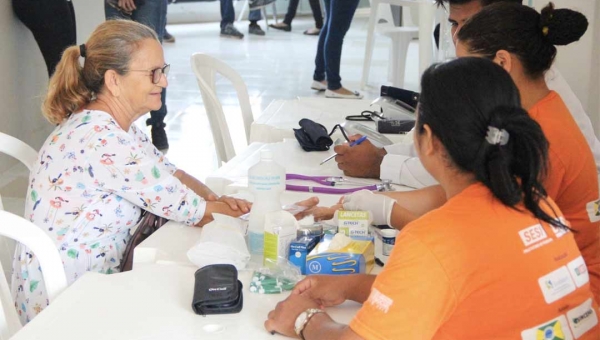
x,y
279,119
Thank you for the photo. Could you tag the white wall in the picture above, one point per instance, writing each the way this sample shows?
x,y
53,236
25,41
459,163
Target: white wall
x,y
23,82
24,76
577,62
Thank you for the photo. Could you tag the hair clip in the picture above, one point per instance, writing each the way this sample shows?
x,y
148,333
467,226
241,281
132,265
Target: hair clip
x,y
496,136
82,50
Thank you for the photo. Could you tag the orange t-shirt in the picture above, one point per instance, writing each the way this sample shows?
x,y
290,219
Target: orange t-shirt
x,y
572,180
476,269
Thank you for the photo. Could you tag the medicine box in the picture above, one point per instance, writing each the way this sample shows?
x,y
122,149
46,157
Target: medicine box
x,y
299,250
353,223
357,257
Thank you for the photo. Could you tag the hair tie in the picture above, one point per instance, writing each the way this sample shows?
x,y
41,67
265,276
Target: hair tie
x,y
496,136
545,30
82,50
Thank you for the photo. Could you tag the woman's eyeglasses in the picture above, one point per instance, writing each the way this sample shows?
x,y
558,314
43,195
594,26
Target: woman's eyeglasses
x,y
157,73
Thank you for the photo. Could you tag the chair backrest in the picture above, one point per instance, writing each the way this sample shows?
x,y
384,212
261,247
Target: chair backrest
x,y
385,18
19,150
205,68
43,247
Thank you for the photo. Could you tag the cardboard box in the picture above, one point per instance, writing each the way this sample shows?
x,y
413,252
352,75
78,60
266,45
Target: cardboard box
x,y
356,258
299,250
353,223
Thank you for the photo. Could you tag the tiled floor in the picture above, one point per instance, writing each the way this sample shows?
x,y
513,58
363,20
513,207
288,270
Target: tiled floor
x,y
276,66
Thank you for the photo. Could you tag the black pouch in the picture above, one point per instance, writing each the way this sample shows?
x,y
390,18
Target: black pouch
x,y
217,290
409,98
312,136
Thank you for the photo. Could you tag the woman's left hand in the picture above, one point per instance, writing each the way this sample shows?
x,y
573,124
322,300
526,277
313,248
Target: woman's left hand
x,y
234,203
283,317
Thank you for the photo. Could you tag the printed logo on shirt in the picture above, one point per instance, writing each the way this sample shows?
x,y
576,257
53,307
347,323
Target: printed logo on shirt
x,y
560,231
557,284
593,210
534,237
380,301
582,318
578,271
555,329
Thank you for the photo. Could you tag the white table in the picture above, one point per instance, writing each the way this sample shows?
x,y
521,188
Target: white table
x,y
278,120
152,302
426,20
232,178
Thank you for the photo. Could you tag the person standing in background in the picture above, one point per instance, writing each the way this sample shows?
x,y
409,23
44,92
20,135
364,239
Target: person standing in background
x,y
339,14
152,13
286,25
52,23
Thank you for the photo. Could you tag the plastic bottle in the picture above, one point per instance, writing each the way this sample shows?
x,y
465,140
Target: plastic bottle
x,y
266,181
280,230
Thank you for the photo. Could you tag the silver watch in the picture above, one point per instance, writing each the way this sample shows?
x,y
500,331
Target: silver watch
x,y
303,319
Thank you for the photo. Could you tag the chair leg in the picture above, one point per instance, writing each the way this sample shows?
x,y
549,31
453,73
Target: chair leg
x,y
400,51
243,11
274,12
264,12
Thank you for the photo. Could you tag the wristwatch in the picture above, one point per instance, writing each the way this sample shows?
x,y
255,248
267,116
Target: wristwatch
x,y
303,319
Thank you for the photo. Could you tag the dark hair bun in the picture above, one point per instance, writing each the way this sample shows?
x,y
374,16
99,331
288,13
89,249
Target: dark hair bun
x,y
562,26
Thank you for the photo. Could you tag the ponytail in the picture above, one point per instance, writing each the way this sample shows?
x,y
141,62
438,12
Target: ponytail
x,y
472,106
66,92
110,47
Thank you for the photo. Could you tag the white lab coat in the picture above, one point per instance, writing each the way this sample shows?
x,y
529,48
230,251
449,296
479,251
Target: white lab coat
x,y
402,165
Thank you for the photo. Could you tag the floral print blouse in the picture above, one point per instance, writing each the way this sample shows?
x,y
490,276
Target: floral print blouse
x,y
87,190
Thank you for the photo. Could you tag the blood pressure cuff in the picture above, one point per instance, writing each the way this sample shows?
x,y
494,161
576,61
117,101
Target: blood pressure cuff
x,y
312,136
217,290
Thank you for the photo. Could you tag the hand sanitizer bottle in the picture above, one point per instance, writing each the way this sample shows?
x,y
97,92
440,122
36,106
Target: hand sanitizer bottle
x,y
266,181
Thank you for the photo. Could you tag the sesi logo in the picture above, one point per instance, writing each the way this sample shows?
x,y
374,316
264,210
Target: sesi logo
x,y
532,234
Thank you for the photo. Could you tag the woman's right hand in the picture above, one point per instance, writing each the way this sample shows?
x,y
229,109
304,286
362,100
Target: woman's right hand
x,y
219,208
326,290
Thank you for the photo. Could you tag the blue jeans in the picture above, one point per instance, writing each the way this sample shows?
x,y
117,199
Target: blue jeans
x,y
338,18
153,14
228,13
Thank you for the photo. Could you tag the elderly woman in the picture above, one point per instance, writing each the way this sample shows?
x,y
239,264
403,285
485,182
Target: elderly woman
x,y
97,171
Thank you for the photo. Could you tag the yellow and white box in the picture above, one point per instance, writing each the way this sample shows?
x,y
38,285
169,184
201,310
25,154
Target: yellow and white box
x,y
353,223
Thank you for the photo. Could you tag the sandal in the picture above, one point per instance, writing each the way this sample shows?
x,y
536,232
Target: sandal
x,y
312,31
281,26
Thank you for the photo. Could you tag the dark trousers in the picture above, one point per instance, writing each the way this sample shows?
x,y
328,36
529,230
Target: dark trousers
x,y
228,13
153,13
339,15
315,8
52,23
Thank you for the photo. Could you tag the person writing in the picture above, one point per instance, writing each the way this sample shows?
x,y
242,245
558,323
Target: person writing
x,y
399,163
487,263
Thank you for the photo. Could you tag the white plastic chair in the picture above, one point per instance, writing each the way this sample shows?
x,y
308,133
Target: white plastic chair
x,y
263,9
206,68
401,37
15,148
45,250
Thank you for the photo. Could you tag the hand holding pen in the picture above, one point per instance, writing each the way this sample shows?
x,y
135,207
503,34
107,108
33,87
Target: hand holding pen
x,y
353,143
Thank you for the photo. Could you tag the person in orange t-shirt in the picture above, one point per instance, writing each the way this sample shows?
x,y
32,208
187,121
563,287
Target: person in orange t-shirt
x,y
510,35
496,260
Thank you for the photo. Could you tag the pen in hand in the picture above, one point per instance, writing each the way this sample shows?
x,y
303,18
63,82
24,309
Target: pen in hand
x,y
356,142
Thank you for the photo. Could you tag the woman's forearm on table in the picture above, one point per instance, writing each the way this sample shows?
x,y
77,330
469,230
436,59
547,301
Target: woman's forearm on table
x,y
194,184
